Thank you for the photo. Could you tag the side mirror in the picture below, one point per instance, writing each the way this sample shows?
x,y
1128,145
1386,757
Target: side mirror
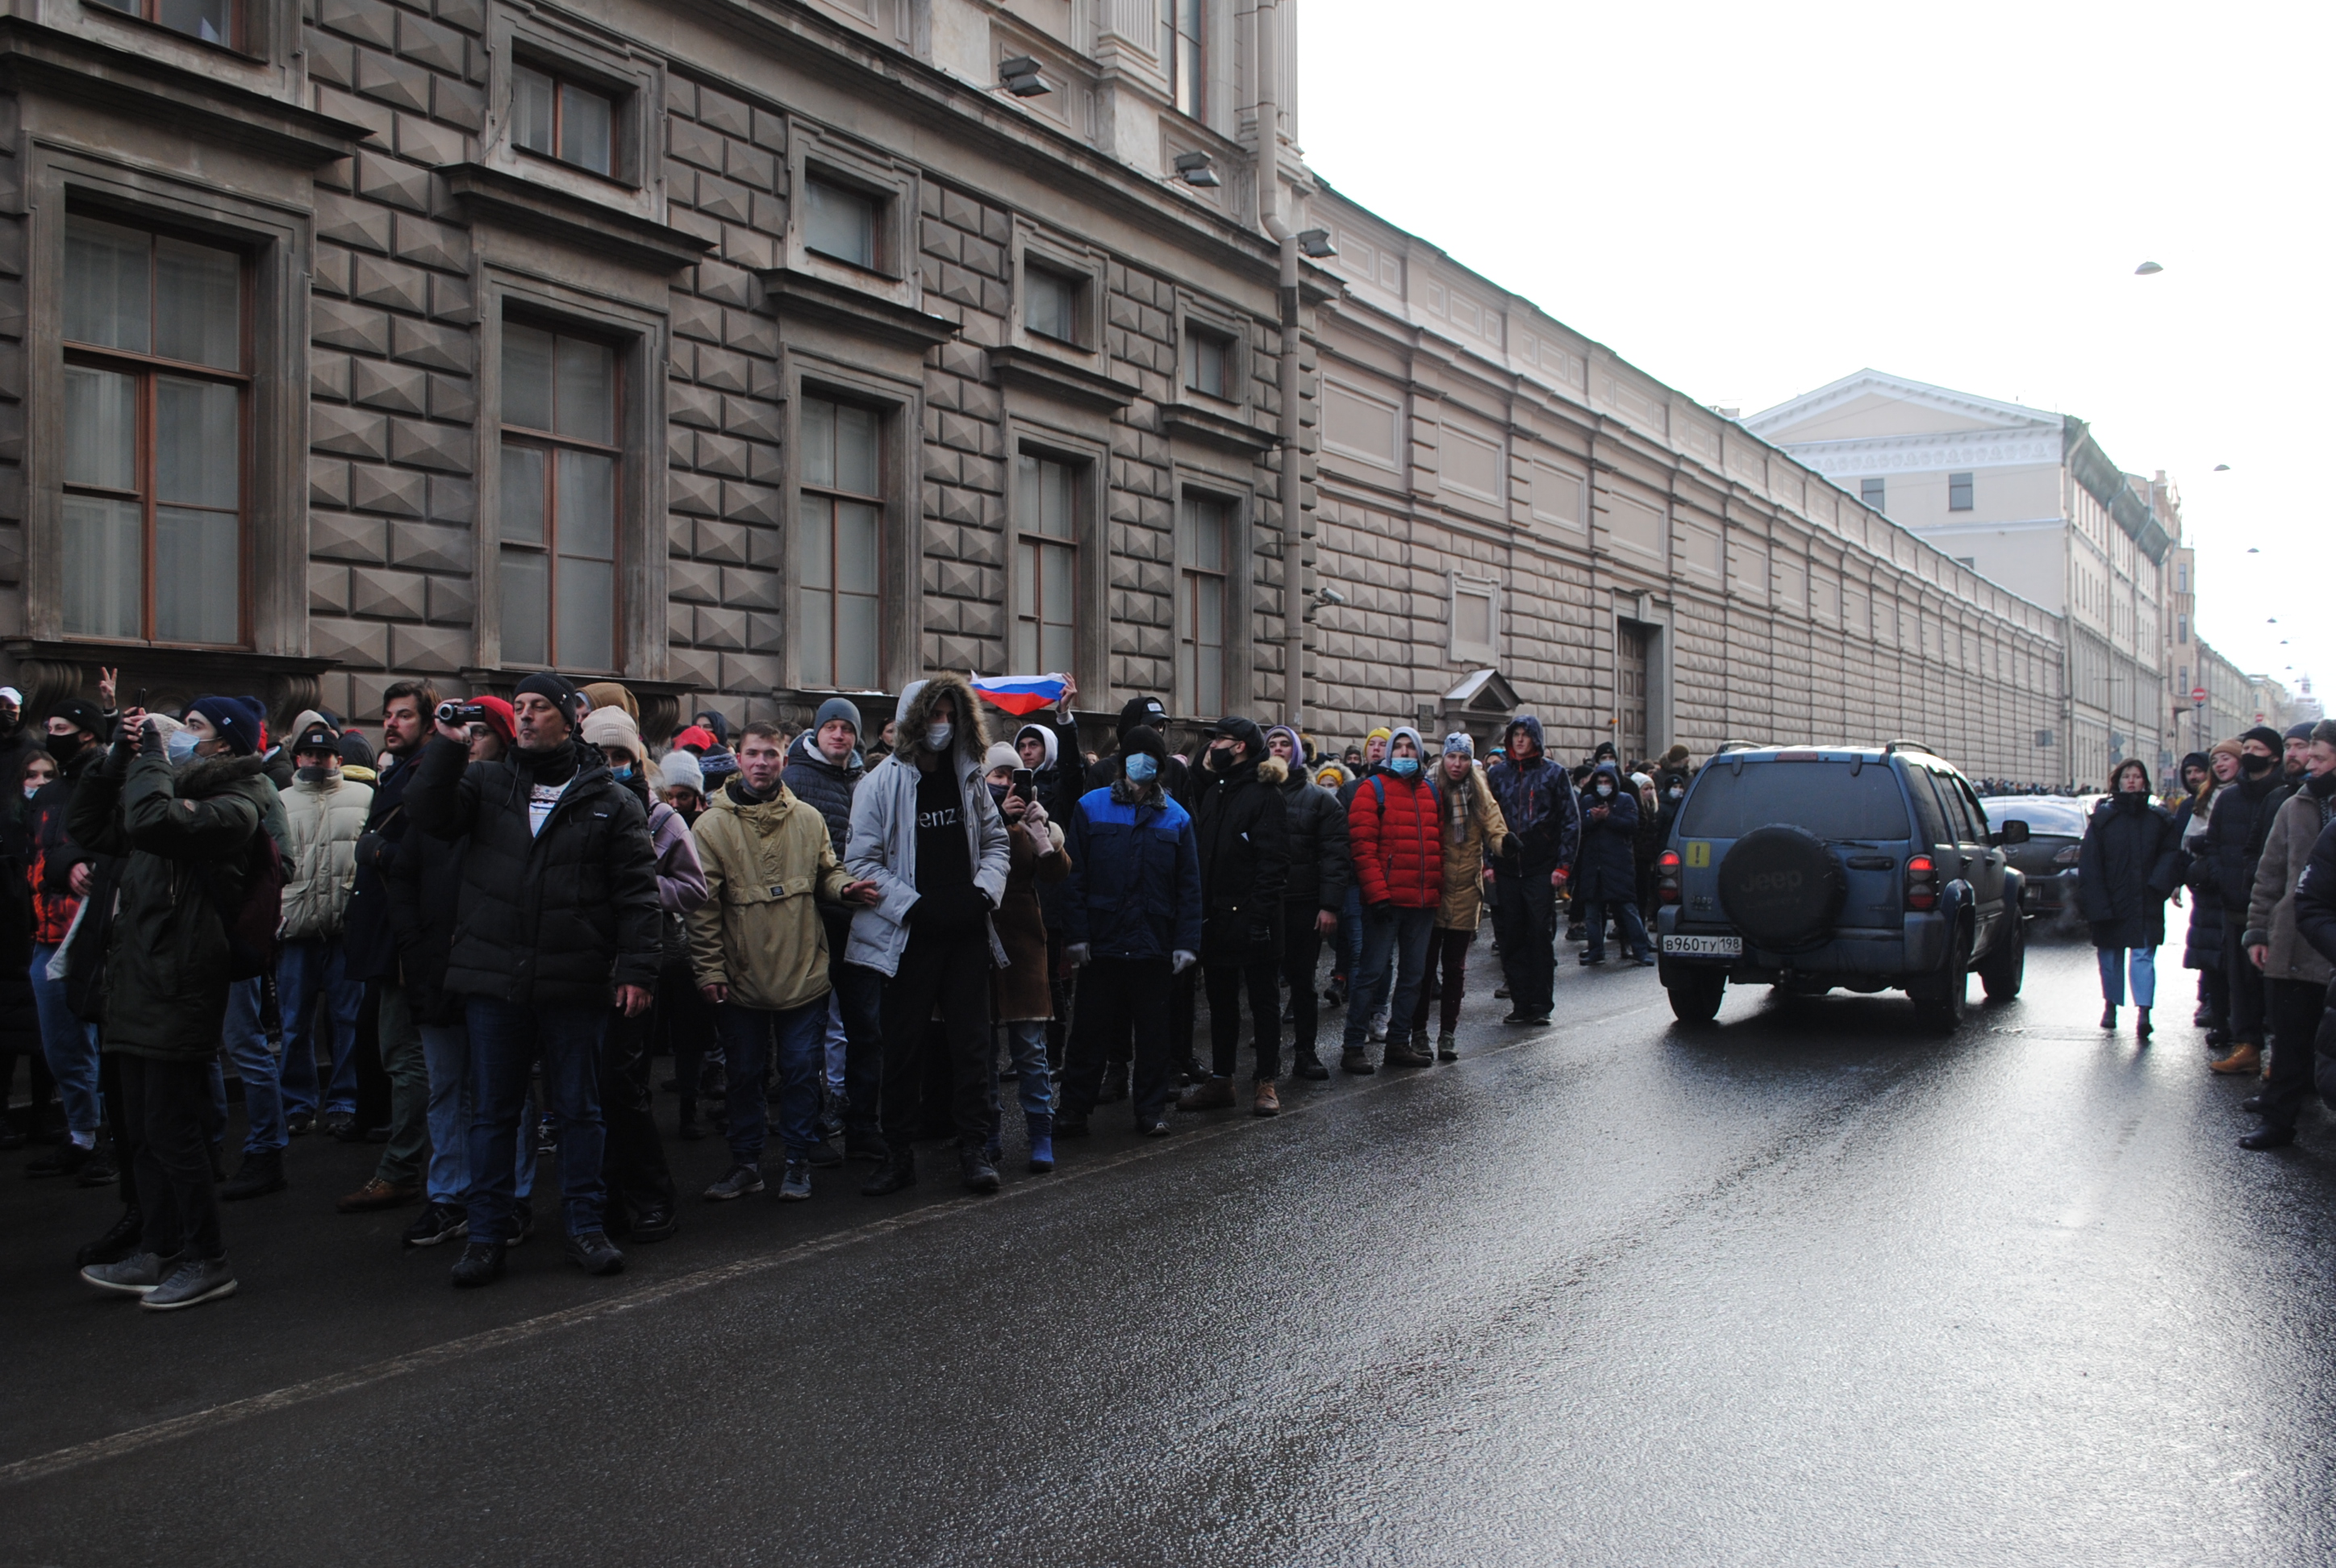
x,y
2014,831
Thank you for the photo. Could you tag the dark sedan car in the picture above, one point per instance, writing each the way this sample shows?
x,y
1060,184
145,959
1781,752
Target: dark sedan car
x,y
2056,828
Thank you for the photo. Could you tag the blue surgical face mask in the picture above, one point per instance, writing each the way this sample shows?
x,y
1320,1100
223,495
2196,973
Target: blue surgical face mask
x,y
1404,767
1142,767
624,772
179,744
939,735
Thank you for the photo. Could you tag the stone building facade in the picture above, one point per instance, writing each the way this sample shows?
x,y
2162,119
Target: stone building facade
x,y
748,351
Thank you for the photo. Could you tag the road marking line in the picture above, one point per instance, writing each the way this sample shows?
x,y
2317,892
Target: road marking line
x,y
73,1456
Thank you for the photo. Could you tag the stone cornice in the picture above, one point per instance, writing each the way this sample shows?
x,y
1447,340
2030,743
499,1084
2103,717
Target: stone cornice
x,y
1958,448
573,220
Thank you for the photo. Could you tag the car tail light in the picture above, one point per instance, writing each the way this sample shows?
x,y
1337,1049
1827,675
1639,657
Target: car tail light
x,y
1667,877
1922,884
2068,857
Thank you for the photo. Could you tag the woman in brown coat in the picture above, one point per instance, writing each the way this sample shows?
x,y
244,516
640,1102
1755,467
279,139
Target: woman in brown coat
x,y
1020,997
1473,828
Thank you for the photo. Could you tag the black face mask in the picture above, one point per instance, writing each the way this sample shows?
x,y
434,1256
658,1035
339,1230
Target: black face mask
x,y
2321,785
66,746
2256,767
312,774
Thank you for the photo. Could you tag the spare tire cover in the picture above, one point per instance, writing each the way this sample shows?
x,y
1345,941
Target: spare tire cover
x,y
1782,887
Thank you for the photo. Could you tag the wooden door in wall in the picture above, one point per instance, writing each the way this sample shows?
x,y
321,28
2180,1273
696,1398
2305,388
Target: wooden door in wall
x,y
1630,691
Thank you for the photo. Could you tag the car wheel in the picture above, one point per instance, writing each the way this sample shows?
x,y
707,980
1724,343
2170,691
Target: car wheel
x,y
1940,1003
1696,995
2006,967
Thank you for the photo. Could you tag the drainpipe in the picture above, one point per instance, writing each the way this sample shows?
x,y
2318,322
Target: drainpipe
x,y
1297,587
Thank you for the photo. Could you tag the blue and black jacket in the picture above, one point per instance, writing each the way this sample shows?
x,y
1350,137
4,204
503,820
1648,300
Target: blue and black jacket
x,y
1135,888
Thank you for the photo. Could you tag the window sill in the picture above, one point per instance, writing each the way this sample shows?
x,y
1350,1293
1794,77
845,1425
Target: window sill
x,y
874,308
597,226
1041,371
1225,426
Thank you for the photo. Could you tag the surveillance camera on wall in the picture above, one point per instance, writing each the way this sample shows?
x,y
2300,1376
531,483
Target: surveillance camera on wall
x,y
1329,596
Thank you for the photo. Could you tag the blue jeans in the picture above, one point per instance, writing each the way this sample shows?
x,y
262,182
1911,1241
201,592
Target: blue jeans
x,y
70,1047
746,1043
304,969
2144,964
246,1039
1347,957
446,1057
505,1037
1634,930
1027,1038
1395,952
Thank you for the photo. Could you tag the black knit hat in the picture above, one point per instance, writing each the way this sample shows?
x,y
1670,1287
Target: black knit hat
x,y
1142,738
555,688
2273,740
1145,711
82,714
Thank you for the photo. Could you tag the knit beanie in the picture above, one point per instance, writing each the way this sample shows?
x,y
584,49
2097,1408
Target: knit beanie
x,y
555,689
1382,733
240,721
82,714
1458,742
681,768
608,726
700,740
2269,737
612,694
500,717
1142,738
1000,755
2223,749
836,707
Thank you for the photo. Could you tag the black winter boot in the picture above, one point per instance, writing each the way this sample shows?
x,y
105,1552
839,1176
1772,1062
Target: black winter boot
x,y
897,1174
258,1175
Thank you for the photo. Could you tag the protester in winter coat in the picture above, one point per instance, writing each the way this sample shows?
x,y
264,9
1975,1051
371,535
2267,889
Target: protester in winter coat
x,y
1537,802
1050,750
2315,923
2295,977
2226,872
1608,872
20,1016
1134,916
2130,863
1022,994
823,772
2203,942
758,946
423,880
1395,833
186,828
1473,828
1177,781
1315,894
558,909
57,874
641,1196
1241,834
925,830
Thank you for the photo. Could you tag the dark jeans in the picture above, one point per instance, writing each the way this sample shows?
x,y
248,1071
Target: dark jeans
x,y
746,1035
1263,983
1525,922
167,1102
2214,993
1302,955
1634,930
2245,1019
949,971
1450,949
686,1018
859,1000
1116,996
634,1159
403,1158
2294,1015
505,1037
1394,964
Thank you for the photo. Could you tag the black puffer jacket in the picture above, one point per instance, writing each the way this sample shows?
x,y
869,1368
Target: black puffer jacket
x,y
1608,870
20,1025
184,836
2130,864
2234,835
1242,831
1320,868
368,934
824,787
557,918
425,882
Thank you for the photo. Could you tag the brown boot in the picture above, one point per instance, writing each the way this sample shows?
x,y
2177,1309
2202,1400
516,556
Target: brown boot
x,y
1402,1053
377,1194
1268,1103
2247,1058
1211,1093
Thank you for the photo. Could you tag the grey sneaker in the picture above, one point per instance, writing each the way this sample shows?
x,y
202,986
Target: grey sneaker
x,y
135,1275
741,1181
194,1281
795,1185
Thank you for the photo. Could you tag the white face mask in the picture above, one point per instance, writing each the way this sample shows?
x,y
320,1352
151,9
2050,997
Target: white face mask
x,y
33,787
939,735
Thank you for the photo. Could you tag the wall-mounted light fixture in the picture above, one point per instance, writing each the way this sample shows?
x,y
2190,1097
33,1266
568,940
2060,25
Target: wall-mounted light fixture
x,y
1197,169
1316,243
1021,76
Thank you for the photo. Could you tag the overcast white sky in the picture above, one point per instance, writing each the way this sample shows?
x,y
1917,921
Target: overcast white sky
x,y
1751,201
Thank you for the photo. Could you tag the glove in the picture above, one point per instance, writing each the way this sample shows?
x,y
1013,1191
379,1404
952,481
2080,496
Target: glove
x,y
1079,954
150,738
369,846
1181,962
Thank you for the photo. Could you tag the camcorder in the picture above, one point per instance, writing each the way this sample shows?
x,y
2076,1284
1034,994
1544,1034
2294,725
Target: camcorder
x,y
453,712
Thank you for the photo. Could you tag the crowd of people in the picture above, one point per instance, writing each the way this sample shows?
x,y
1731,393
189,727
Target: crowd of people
x,y
470,948
2248,837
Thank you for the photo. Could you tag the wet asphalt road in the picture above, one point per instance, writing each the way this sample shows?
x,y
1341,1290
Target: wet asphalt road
x,y
1807,1287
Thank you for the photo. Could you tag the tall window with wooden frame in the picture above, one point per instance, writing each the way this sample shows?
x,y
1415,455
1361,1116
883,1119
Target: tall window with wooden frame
x,y
1182,54
562,468
838,553
156,394
563,119
1045,565
1204,554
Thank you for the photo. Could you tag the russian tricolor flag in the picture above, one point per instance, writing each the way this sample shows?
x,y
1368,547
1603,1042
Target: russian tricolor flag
x,y
1020,693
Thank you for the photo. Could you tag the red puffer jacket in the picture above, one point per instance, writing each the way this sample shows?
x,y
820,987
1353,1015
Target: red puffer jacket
x,y
1395,831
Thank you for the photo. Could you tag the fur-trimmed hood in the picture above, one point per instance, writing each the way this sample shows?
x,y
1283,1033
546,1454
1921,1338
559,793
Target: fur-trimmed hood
x,y
1273,771
198,778
969,741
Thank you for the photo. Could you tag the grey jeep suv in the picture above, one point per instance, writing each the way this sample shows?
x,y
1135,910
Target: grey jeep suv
x,y
1869,868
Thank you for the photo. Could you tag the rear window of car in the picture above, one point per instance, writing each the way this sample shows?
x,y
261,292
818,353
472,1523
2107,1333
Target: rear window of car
x,y
1825,797
2042,815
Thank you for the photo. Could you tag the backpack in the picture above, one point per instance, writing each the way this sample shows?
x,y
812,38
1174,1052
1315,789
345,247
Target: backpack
x,y
254,923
